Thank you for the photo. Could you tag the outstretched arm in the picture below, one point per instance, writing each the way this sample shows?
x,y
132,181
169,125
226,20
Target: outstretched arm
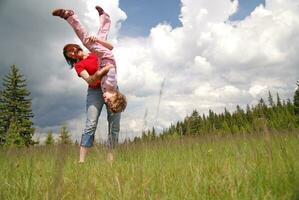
x,y
93,39
90,79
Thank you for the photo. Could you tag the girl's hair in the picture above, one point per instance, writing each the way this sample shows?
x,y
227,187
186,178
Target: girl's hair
x,y
71,48
119,103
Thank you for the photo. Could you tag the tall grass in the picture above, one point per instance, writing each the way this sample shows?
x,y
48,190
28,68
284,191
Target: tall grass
x,y
248,167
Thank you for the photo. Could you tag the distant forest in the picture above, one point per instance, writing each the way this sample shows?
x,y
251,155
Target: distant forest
x,y
279,115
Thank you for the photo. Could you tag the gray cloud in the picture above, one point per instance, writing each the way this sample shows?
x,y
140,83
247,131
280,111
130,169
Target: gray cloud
x,y
32,39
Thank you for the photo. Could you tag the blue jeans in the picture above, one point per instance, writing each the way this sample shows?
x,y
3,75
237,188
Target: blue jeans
x,y
94,105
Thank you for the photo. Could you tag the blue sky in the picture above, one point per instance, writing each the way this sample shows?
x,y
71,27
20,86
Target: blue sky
x,y
246,7
144,14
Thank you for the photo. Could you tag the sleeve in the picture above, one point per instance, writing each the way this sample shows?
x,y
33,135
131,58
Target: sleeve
x,y
111,77
110,80
79,68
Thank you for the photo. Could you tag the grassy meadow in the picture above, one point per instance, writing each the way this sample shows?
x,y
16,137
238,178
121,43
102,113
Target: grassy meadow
x,y
234,167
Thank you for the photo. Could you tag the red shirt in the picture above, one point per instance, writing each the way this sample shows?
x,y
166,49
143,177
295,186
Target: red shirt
x,y
91,65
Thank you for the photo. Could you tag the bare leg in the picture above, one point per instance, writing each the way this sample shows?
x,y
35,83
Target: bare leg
x,y
110,156
83,152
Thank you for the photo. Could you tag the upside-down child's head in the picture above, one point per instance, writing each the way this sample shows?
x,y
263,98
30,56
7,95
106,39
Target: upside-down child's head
x,y
116,101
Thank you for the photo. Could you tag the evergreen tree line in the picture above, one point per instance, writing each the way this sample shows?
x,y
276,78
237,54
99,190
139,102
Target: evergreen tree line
x,y
64,137
274,116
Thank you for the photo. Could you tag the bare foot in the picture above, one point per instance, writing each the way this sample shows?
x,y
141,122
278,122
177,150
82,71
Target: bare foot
x,y
110,157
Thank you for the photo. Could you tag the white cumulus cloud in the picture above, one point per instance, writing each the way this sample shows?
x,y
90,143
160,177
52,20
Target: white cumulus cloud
x,y
210,62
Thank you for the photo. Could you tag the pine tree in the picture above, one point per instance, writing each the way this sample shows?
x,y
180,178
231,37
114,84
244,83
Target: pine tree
x,y
235,129
16,107
270,99
290,106
226,128
187,129
13,137
278,100
261,108
64,137
2,121
153,134
194,123
240,117
249,114
50,139
296,100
